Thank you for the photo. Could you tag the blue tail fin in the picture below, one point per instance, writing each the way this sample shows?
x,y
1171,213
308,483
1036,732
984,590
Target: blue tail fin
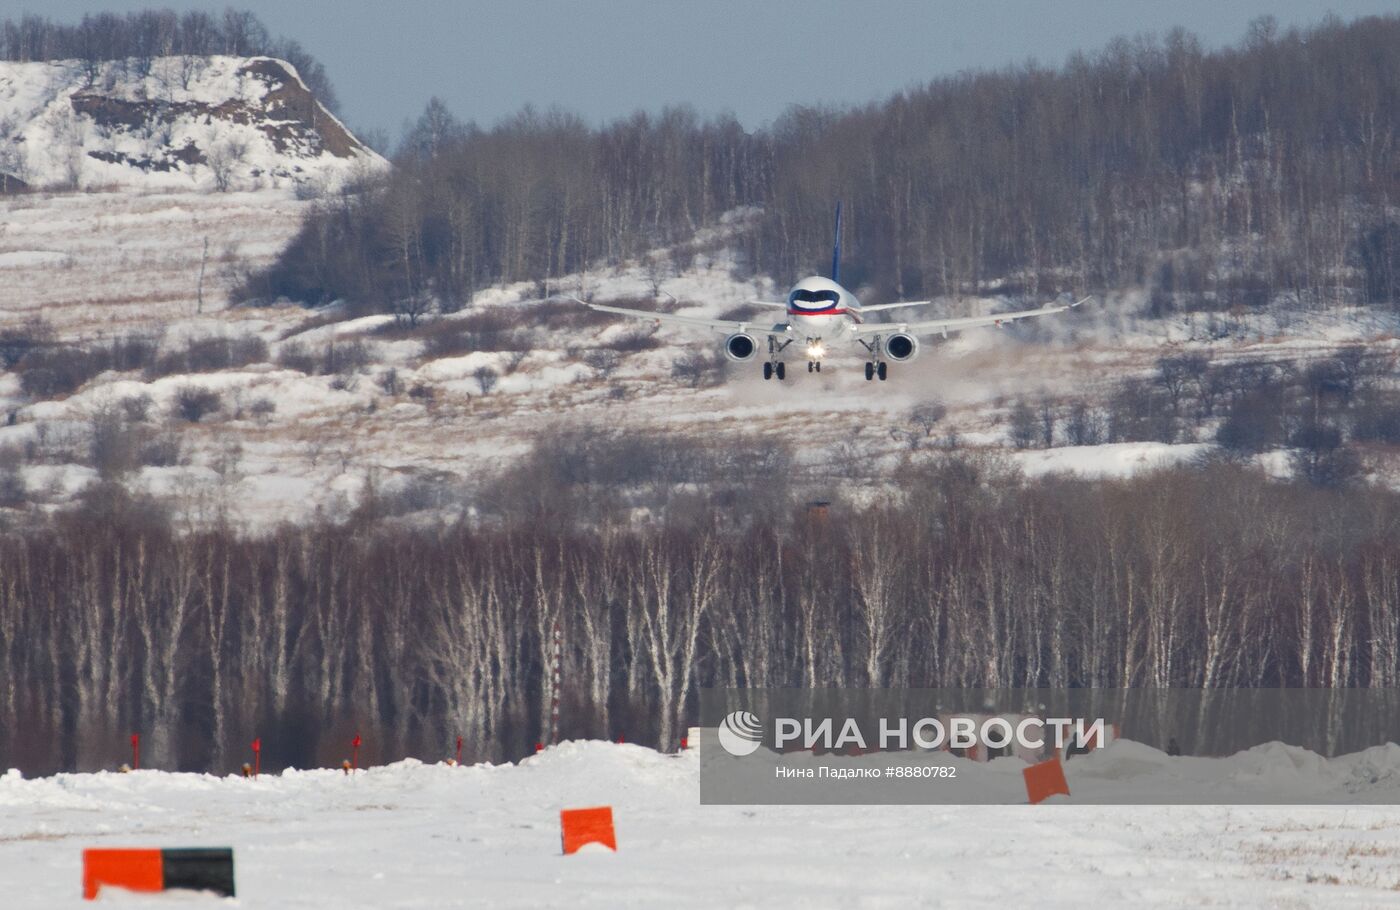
x,y
836,249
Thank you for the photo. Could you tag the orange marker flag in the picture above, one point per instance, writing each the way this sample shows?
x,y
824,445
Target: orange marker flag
x,y
1045,780
587,826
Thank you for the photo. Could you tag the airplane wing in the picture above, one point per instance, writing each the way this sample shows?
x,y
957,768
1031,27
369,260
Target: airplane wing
x,y
944,326
892,306
757,324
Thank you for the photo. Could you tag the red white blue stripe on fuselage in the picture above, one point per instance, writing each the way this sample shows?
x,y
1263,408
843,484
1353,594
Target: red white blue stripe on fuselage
x,y
834,311
820,308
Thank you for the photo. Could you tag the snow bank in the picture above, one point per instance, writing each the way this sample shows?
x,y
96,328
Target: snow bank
x,y
418,835
1122,459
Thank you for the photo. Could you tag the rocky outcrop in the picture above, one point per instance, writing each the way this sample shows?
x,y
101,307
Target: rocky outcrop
x,y
207,123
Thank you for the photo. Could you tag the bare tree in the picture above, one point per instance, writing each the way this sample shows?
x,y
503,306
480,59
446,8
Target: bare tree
x,y
1025,429
486,379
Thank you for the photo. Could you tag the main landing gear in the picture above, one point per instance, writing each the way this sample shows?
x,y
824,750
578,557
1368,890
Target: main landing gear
x,y
875,366
773,366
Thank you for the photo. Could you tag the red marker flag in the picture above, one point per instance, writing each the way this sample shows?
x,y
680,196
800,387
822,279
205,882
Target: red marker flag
x,y
355,757
136,751
257,756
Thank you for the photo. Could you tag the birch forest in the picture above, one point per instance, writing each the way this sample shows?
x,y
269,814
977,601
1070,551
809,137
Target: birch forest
x,y
112,621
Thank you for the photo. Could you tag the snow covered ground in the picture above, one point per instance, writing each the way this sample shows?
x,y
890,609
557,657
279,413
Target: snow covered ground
x,y
1120,459
104,264
96,264
414,835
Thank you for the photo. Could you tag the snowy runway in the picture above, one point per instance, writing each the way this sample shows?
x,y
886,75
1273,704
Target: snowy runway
x,y
411,835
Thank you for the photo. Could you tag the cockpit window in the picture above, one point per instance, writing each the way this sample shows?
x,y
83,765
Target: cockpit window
x,y
813,300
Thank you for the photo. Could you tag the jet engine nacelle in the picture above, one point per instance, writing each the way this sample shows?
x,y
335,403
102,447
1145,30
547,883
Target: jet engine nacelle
x,y
740,347
900,347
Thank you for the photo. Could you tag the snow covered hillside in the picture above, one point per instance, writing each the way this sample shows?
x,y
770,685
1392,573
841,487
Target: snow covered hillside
x,y
308,408
190,122
318,405
414,835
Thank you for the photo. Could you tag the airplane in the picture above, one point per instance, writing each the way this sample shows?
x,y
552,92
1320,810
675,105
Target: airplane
x,y
820,311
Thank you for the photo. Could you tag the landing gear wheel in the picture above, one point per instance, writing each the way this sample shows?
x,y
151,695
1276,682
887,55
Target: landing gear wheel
x,y
781,369
810,364
768,371
869,371
819,366
881,370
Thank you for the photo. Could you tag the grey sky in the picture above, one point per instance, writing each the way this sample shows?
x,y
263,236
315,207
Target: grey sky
x,y
607,58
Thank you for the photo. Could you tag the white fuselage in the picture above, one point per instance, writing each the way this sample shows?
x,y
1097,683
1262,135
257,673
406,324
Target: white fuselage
x,y
819,309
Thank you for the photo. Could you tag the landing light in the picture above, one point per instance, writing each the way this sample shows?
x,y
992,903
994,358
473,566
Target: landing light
x,y
815,351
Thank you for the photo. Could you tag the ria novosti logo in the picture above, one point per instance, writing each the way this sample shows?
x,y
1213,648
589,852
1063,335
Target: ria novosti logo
x,y
741,733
